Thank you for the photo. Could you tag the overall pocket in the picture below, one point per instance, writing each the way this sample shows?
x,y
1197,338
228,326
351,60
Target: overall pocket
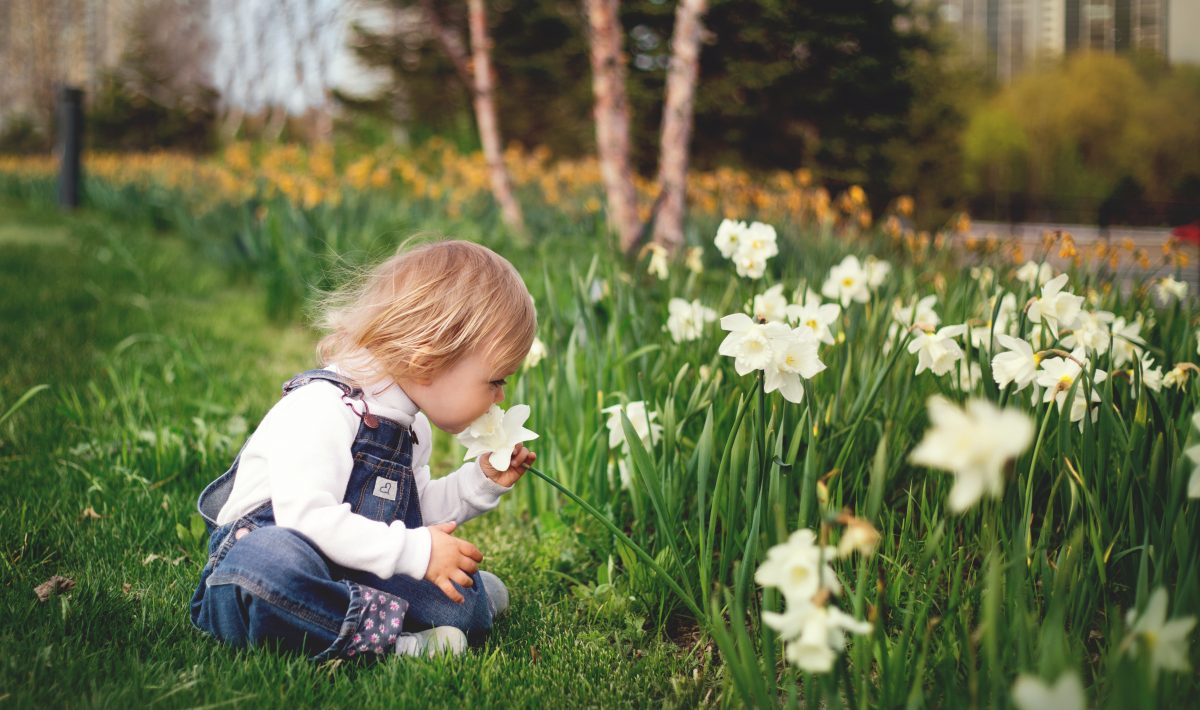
x,y
378,487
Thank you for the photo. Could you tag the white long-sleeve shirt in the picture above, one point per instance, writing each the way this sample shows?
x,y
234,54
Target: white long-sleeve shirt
x,y
299,458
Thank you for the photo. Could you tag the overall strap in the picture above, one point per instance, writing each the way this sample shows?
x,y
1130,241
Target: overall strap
x,y
351,393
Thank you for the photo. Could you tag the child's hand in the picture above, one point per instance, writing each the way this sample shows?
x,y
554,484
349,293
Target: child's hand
x,y
522,459
451,560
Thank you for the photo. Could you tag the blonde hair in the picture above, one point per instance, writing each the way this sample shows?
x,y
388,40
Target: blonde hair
x,y
426,307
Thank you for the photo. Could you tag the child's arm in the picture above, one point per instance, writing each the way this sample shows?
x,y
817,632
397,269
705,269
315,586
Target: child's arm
x,y
458,496
303,450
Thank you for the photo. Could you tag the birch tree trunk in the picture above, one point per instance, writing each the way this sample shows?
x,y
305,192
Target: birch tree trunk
x,y
476,74
677,123
611,112
485,116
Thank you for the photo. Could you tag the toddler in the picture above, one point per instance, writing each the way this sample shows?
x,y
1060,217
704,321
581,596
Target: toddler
x,y
327,535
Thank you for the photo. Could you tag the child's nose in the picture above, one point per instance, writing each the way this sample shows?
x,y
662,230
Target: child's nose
x,y
499,395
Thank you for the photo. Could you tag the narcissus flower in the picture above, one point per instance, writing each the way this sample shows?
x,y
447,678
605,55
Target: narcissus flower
x,y
816,317
814,635
847,282
1058,308
1193,454
771,305
1165,641
1168,289
1033,274
643,424
973,443
730,234
497,433
937,352
537,352
1127,340
799,568
1031,693
1018,363
685,321
1058,375
783,354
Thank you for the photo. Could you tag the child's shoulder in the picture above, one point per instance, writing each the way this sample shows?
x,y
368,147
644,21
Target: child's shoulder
x,y
317,401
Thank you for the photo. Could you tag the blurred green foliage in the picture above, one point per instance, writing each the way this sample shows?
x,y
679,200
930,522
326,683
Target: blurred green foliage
x,y
1097,138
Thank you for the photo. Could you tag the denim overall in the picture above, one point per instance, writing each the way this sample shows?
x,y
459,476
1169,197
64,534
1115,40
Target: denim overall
x,y
268,584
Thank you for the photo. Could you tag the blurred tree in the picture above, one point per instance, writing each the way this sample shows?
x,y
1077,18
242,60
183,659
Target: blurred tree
x,y
781,84
1097,138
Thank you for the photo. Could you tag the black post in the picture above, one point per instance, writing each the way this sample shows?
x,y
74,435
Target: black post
x,y
70,144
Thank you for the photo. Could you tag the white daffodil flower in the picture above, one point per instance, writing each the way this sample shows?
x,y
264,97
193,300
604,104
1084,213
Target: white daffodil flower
x,y
1127,342
877,271
982,336
497,433
747,343
1034,275
693,260
1152,377
858,536
730,234
847,282
685,321
537,353
969,377
1019,363
760,241
1056,376
794,357
973,443
816,317
1165,641
917,312
642,421
771,305
750,266
1168,289
1091,332
1058,308
799,568
983,275
658,261
1031,693
814,635
1176,377
937,352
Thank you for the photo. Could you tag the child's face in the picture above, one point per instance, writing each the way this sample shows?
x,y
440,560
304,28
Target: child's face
x,y
459,394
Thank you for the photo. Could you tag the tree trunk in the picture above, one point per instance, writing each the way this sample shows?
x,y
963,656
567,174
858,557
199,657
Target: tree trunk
x,y
485,117
612,120
677,123
476,75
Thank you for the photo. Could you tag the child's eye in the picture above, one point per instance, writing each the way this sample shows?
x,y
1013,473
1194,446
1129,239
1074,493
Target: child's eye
x,y
499,383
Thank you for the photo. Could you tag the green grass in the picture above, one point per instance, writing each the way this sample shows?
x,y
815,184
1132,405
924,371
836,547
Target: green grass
x,y
157,364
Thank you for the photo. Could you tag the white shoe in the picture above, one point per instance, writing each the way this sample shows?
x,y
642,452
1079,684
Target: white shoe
x,y
431,642
497,593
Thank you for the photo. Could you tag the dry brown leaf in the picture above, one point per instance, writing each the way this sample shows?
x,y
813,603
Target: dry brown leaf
x,y
125,587
90,514
52,586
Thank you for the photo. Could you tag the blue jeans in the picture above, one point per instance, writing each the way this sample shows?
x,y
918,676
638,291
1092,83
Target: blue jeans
x,y
267,584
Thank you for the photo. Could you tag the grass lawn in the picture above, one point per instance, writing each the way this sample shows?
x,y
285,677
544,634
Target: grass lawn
x,y
158,365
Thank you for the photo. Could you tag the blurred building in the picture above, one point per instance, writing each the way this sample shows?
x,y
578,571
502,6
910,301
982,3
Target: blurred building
x,y
1011,35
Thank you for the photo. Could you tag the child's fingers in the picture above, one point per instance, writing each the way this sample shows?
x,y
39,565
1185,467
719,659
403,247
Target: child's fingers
x,y
446,527
463,579
468,565
470,550
449,590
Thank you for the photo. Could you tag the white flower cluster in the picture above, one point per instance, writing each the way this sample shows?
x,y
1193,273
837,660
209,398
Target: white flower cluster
x,y
814,631
749,246
784,354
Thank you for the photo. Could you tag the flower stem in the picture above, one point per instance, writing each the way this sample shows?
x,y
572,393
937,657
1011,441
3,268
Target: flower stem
x,y
666,577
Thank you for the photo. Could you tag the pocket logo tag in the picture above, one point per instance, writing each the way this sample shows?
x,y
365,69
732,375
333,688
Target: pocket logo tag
x,y
385,488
